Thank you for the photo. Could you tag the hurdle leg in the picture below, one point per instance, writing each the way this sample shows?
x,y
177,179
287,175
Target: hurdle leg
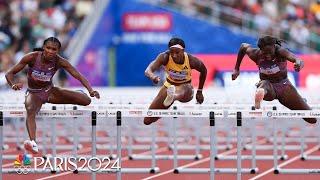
x,y
153,151
254,142
130,141
212,144
94,139
1,142
44,140
17,123
197,150
119,143
229,135
275,150
75,135
53,138
239,144
175,146
318,127
302,142
112,141
283,143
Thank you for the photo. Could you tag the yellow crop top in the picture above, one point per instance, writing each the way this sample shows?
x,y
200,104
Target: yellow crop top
x,y
178,73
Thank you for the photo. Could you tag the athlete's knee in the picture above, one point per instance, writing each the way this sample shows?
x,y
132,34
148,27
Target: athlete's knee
x,y
149,120
85,100
31,115
31,110
88,101
311,120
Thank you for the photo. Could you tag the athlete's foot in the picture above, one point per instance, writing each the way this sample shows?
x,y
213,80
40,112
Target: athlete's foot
x,y
170,96
258,98
31,146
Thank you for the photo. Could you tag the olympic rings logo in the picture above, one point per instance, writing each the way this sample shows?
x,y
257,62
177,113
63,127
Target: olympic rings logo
x,y
22,169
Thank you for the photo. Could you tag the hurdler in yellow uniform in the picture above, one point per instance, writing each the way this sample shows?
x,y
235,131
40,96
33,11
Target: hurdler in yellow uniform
x,y
178,74
178,65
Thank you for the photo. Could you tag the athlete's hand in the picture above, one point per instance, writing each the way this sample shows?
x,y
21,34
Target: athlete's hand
x,y
94,93
17,86
199,97
235,74
155,79
298,65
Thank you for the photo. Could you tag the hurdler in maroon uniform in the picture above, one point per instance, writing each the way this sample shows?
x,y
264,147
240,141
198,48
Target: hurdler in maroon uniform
x,y
40,76
43,64
271,60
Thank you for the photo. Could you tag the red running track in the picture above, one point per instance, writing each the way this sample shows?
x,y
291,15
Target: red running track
x,y
166,171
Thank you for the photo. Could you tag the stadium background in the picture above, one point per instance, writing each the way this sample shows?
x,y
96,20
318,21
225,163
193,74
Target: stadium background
x,y
112,42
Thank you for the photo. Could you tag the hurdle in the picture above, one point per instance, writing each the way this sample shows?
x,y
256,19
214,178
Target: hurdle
x,y
114,107
125,113
312,157
212,169
42,139
68,113
175,155
43,113
118,115
253,147
1,142
294,114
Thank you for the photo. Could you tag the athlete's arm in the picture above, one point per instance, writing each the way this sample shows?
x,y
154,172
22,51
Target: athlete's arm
x,y
298,63
63,63
153,66
17,68
198,65
244,49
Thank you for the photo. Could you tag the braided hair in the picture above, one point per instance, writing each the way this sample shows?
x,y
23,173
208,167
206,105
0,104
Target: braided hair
x,y
50,39
269,40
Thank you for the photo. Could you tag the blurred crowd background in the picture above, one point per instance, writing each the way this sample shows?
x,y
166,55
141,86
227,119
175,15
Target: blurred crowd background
x,y
292,20
24,24
108,47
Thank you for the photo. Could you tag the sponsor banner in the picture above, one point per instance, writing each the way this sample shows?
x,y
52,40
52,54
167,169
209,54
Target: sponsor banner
x,y
146,27
146,21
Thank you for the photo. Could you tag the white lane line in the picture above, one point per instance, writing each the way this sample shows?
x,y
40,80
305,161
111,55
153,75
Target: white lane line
x,y
198,162
285,163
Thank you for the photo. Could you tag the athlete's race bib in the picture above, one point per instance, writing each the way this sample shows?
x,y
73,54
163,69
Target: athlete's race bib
x,y
41,76
272,70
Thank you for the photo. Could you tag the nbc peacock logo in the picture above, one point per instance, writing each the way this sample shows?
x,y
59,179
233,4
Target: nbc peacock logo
x,y
22,164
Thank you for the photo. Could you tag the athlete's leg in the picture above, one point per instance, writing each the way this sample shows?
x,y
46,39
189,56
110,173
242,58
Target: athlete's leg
x,y
33,105
65,96
184,93
265,92
157,103
292,100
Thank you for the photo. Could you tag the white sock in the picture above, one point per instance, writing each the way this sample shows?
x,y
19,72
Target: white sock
x,y
33,142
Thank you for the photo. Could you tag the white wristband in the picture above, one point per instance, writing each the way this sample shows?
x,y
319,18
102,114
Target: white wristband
x,y
199,90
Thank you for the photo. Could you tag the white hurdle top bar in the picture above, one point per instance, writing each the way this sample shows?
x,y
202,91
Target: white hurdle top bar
x,y
168,113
